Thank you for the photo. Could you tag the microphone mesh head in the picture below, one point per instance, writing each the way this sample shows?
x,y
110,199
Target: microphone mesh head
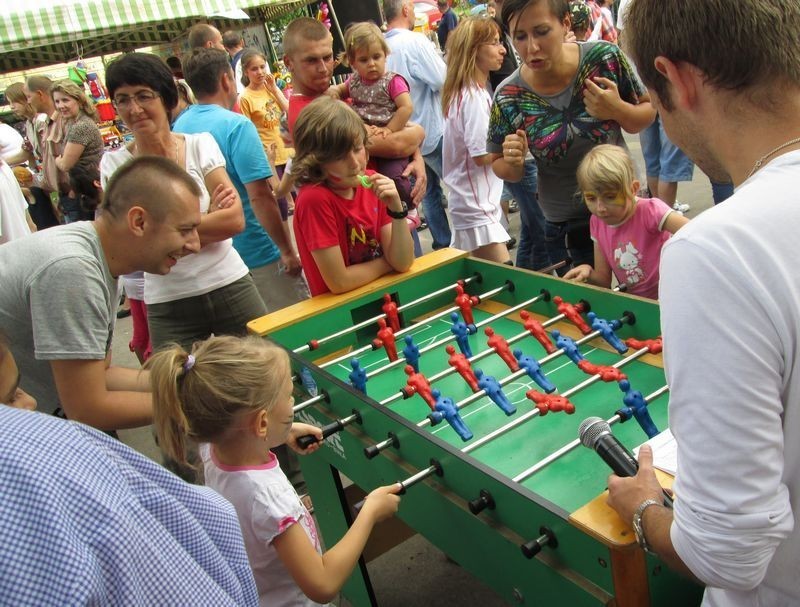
x,y
590,430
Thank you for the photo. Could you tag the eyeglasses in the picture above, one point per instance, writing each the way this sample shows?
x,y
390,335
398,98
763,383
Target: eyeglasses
x,y
141,98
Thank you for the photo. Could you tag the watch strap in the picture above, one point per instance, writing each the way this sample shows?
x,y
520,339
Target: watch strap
x,y
638,528
398,214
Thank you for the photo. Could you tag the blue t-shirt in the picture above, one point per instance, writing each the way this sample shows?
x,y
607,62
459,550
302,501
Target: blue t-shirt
x,y
245,162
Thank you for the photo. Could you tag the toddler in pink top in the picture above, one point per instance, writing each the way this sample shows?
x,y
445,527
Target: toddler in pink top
x,y
628,232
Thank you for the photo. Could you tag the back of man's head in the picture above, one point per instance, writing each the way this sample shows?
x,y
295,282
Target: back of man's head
x,y
232,40
752,46
201,34
203,70
392,9
148,182
304,29
39,83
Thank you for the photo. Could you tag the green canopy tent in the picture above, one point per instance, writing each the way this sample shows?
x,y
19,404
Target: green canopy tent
x,y
43,32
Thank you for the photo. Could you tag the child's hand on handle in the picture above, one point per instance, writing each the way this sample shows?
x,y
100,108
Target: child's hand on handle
x,y
299,429
515,148
579,273
381,503
386,190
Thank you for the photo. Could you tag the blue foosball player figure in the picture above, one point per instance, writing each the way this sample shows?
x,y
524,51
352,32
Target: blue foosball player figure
x,y
606,329
358,377
534,371
462,331
493,390
411,352
636,406
445,409
568,345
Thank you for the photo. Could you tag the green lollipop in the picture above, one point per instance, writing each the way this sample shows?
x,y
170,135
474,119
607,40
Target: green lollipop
x,y
365,181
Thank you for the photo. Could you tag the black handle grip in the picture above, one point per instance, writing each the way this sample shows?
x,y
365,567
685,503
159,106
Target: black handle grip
x,y
307,440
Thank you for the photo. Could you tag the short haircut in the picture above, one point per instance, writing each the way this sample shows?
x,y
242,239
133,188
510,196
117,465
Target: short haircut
x,y
142,69
200,34
393,8
748,46
606,168
325,130
145,181
360,36
203,400
231,39
558,8
39,83
303,29
248,55
70,89
203,69
174,63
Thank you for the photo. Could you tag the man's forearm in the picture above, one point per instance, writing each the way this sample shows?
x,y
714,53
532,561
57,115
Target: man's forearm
x,y
397,145
125,378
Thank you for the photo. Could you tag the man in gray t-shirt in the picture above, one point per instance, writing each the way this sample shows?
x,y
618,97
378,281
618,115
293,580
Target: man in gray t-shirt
x,y
59,292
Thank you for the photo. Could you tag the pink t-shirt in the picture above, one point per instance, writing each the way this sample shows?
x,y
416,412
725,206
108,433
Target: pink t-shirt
x,y
633,249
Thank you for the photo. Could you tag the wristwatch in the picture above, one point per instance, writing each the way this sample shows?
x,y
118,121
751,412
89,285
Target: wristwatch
x,y
398,214
638,529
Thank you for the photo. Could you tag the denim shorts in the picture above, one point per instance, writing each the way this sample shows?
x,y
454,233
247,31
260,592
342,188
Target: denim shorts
x,y
662,158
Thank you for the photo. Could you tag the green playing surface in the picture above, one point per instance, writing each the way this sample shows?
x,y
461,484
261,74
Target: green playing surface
x,y
570,481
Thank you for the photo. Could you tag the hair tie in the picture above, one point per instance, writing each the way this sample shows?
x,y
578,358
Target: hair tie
x,y
188,364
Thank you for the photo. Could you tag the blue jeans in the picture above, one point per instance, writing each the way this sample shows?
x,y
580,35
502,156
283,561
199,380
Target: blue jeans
x,y
569,239
531,251
432,205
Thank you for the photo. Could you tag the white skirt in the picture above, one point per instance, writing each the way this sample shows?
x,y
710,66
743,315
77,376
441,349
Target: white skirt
x,y
469,239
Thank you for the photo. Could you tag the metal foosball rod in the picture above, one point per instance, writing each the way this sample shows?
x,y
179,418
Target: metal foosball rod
x,y
517,374
527,473
488,294
489,351
315,343
448,338
535,412
323,396
434,468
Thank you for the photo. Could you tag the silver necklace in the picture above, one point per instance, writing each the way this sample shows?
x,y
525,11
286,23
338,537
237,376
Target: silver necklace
x,y
760,162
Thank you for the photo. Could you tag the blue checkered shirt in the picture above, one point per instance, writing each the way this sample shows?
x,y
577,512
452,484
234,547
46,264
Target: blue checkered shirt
x,y
85,520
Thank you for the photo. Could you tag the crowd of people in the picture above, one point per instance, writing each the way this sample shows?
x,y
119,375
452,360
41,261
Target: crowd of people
x,y
528,103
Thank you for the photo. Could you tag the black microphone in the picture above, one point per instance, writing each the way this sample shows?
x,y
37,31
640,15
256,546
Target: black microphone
x,y
595,433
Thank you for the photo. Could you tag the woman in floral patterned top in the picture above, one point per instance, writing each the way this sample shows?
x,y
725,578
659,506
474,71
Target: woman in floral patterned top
x,y
564,99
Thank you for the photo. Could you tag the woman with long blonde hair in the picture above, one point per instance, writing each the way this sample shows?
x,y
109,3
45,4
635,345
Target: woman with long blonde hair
x,y
473,50
84,144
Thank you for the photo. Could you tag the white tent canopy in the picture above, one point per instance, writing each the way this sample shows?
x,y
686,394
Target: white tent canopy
x,y
42,32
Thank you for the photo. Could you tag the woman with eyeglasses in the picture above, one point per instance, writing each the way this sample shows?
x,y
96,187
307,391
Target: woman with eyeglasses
x,y
212,290
474,191
84,144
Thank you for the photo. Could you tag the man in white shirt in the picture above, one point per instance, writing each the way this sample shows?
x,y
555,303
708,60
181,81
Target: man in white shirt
x,y
415,58
729,298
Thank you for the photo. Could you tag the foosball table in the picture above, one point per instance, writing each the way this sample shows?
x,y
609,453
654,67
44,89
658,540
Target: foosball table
x,y
466,381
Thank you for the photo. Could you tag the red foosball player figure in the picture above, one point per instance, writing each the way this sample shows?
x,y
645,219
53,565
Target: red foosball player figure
x,y
385,339
461,364
654,346
417,383
550,402
499,344
607,373
390,309
573,313
464,301
535,328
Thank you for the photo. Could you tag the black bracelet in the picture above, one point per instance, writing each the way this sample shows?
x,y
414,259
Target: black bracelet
x,y
398,214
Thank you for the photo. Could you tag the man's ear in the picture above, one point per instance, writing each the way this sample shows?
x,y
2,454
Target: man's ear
x,y
684,79
137,219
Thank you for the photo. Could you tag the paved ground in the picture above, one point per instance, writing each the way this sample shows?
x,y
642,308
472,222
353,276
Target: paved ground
x,y
437,580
